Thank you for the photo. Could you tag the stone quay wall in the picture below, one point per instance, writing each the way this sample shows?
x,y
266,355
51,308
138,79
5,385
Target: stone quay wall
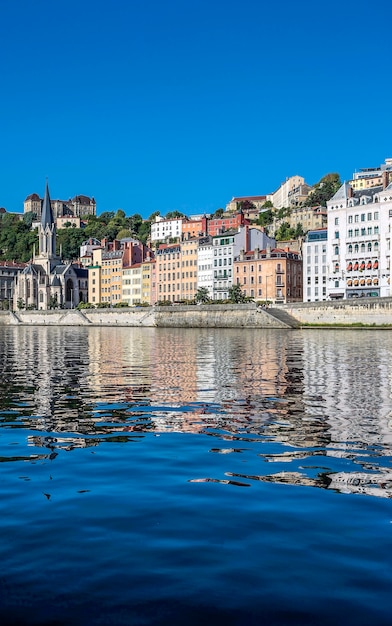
x,y
371,312
366,311
214,316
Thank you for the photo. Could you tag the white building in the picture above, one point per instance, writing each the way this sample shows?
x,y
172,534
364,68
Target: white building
x,y
163,230
283,196
205,264
359,235
315,266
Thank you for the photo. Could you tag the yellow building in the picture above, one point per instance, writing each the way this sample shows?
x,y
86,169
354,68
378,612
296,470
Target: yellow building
x,y
132,284
189,248
106,270
148,294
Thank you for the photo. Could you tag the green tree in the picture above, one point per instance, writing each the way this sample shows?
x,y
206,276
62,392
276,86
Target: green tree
x,y
265,218
324,190
236,295
124,233
218,214
284,232
173,215
69,241
202,295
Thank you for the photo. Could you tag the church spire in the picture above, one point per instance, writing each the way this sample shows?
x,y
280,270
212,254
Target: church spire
x,y
47,213
47,230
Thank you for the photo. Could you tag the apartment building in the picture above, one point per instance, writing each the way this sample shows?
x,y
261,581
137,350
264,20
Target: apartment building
x,y
8,272
223,246
168,272
148,295
105,276
273,275
368,177
189,264
194,227
359,241
165,230
217,226
205,264
132,284
315,266
285,195
310,218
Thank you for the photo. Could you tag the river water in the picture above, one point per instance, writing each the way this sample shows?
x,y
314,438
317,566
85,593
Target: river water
x,y
195,476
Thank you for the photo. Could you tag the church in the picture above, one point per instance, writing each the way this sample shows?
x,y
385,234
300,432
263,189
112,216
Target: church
x,y
47,282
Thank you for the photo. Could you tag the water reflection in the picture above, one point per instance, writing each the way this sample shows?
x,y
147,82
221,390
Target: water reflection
x,y
299,401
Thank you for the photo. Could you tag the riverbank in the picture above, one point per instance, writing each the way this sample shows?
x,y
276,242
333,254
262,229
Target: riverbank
x,y
361,313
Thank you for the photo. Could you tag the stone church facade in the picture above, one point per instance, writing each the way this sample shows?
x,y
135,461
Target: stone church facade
x,y
47,282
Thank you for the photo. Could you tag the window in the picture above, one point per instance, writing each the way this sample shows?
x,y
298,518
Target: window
x,y
369,230
363,231
336,249
350,249
336,221
376,215
356,218
350,219
362,217
369,216
336,234
350,232
376,230
356,232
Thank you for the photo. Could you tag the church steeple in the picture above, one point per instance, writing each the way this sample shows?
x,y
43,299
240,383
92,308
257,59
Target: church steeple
x,y
47,213
47,231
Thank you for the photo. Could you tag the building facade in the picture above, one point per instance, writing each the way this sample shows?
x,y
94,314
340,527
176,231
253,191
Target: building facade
x,y
272,275
359,238
74,207
315,266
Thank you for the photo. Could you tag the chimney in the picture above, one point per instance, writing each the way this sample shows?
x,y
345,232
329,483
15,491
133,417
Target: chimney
x,y
384,180
256,253
268,252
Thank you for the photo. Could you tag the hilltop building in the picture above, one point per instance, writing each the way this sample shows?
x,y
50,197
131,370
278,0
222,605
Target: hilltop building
x,y
46,282
368,177
73,208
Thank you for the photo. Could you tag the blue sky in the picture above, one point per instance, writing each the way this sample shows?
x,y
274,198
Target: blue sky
x,y
179,105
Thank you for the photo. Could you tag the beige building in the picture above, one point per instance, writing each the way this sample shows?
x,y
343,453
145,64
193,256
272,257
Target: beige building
x,y
369,177
74,207
132,284
311,218
148,294
189,250
168,272
105,277
273,275
281,197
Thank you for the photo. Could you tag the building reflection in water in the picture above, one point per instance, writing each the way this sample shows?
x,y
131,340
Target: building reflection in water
x,y
315,393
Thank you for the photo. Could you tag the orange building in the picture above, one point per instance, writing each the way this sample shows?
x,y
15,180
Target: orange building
x,y
194,228
271,275
168,272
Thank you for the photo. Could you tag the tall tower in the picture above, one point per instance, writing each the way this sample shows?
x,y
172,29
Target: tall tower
x,y
47,256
